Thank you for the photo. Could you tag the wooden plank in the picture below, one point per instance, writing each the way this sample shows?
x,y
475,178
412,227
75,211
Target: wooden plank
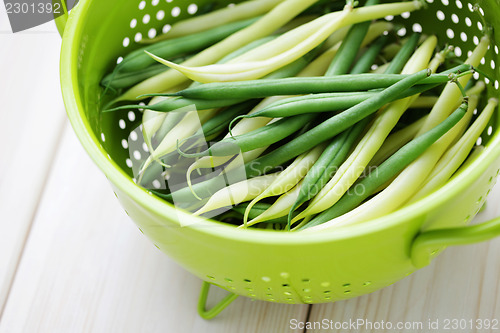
x,y
32,119
87,268
462,283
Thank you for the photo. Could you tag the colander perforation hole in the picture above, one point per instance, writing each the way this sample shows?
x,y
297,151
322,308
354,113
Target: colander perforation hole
x,y
160,15
138,37
192,9
142,5
210,277
137,155
131,116
119,59
367,283
126,42
176,11
440,15
134,136
347,292
146,18
416,27
152,33
122,124
166,28
155,2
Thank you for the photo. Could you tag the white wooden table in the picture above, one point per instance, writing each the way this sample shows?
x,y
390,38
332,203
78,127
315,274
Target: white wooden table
x,y
72,261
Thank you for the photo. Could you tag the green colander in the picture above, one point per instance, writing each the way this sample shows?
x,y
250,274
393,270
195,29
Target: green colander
x,y
266,265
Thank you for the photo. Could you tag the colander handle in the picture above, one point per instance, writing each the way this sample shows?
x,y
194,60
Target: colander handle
x,y
428,242
213,312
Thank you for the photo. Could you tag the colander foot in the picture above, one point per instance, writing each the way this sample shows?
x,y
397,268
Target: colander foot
x,y
213,312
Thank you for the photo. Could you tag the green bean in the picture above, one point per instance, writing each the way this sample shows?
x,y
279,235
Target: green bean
x,y
325,102
221,121
290,46
117,81
397,64
174,104
152,121
442,108
303,85
274,19
388,169
262,137
456,154
207,19
336,151
322,132
334,125
236,193
327,164
246,48
256,210
383,124
138,59
368,58
396,140
349,47
214,126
